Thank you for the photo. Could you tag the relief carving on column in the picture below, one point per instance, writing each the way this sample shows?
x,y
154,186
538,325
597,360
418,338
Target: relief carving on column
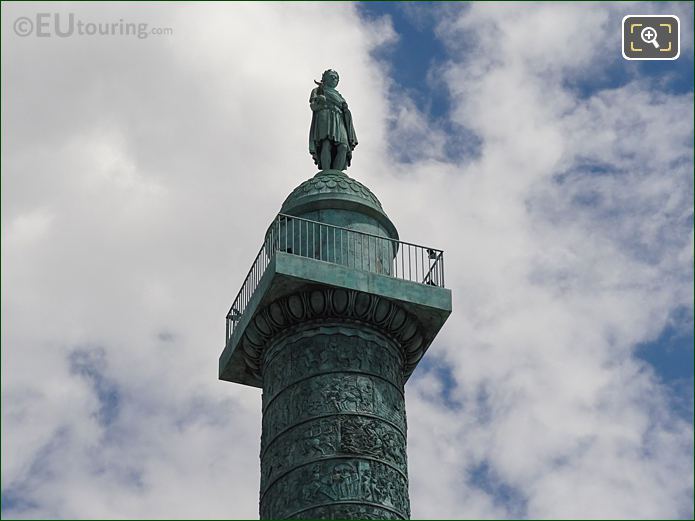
x,y
330,394
347,512
325,349
333,437
326,483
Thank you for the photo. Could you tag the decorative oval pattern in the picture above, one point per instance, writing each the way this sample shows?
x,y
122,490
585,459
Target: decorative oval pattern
x,y
362,303
276,314
253,337
317,301
340,301
262,325
408,331
414,345
397,320
380,314
295,306
381,310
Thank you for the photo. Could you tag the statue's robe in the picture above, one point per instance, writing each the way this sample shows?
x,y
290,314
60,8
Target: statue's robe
x,y
330,120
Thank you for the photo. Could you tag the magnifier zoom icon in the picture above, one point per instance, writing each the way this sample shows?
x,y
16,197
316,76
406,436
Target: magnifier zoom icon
x,y
648,35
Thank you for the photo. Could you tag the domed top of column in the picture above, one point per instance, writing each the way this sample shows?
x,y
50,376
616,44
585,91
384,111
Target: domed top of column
x,y
331,184
334,189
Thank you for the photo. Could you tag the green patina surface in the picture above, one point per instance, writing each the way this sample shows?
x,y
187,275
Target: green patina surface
x,y
332,346
332,197
289,274
334,429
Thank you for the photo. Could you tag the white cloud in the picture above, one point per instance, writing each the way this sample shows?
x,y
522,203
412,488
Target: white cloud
x,y
139,177
559,270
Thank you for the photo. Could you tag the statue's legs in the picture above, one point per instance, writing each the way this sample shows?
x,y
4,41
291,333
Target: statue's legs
x,y
339,163
326,149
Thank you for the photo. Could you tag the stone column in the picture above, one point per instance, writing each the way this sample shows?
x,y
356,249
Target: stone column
x,y
330,322
334,428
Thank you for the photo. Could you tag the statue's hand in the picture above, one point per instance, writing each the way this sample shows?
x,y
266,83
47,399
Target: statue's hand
x,y
318,102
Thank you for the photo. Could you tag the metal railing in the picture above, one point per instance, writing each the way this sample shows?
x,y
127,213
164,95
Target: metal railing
x,y
337,245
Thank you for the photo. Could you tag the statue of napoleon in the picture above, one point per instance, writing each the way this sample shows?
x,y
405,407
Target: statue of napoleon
x,y
332,136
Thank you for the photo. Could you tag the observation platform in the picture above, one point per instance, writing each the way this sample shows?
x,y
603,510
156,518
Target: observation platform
x,y
300,254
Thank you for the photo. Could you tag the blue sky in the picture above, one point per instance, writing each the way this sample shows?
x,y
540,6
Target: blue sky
x,y
415,53
139,176
418,51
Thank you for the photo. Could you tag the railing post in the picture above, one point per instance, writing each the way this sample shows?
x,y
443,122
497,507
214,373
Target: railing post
x,y
441,260
402,263
410,269
395,258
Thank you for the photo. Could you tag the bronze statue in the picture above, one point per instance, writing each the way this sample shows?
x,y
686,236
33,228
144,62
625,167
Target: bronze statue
x,y
332,135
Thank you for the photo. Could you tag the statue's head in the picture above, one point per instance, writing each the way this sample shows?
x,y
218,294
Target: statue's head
x,y
330,78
